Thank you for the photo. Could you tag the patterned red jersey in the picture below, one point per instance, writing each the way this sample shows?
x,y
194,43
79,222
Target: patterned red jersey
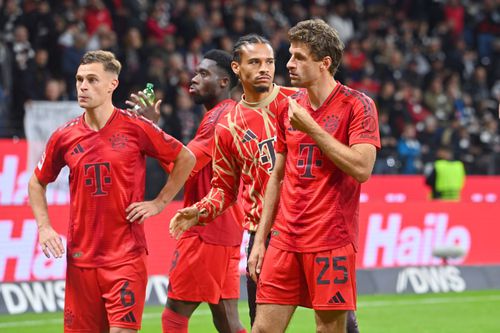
x,y
107,174
319,203
244,150
227,229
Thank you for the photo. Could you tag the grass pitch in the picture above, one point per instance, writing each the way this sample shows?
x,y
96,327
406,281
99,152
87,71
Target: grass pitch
x,y
473,311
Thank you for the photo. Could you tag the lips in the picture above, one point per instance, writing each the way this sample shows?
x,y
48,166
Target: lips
x,y
264,78
192,90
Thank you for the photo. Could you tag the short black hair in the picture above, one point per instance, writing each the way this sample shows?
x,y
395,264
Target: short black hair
x,y
245,40
223,61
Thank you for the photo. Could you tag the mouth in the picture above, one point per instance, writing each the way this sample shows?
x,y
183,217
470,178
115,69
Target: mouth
x,y
264,78
192,90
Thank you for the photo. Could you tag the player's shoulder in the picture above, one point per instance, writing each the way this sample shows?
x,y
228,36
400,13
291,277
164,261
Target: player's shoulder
x,y
288,90
68,127
134,119
353,96
214,114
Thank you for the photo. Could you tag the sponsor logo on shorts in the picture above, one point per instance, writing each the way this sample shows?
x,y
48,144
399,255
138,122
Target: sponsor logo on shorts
x,y
337,299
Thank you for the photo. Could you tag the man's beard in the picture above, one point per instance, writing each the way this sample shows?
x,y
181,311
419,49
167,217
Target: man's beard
x,y
200,99
262,89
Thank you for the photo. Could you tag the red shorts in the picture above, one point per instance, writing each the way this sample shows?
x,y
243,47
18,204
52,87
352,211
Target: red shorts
x,y
203,272
99,298
320,280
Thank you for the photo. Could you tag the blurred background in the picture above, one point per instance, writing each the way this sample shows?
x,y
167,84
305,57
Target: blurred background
x,y
431,66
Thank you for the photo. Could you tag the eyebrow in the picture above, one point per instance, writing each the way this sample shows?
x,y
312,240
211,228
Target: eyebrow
x,y
88,75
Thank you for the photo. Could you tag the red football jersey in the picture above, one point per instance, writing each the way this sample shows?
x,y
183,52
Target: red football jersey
x,y
226,230
244,150
107,174
319,203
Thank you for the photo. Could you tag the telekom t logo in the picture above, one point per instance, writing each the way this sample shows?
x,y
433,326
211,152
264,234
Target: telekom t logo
x,y
97,175
310,157
267,153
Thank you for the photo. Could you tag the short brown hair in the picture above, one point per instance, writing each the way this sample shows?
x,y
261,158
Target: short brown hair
x,y
322,40
107,59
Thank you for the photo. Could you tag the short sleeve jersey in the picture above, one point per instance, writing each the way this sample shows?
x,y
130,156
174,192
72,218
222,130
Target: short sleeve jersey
x,y
107,174
319,203
244,151
226,229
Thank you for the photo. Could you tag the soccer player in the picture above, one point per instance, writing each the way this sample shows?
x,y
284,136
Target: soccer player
x,y
205,265
326,147
244,145
105,150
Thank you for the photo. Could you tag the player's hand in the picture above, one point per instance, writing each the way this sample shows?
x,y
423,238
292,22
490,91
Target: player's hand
x,y
183,220
50,241
255,260
140,104
140,211
300,119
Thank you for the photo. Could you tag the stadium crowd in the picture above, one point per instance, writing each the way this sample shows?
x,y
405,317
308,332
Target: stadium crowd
x,y
432,66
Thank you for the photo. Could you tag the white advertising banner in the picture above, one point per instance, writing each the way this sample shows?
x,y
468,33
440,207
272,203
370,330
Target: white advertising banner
x,y
42,118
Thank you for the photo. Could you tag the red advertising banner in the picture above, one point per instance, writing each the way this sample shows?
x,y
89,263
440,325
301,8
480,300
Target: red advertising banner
x,y
399,225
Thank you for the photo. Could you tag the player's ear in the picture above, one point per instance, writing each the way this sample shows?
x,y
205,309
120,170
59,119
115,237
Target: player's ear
x,y
224,82
235,66
113,85
326,63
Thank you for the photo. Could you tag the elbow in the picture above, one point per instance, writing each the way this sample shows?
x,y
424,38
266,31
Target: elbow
x,y
362,176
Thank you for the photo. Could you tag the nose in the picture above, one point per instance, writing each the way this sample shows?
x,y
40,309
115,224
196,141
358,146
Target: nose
x,y
194,80
264,67
290,64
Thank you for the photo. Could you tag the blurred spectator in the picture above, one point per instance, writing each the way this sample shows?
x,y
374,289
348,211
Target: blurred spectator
x,y
23,61
409,151
96,16
434,65
446,177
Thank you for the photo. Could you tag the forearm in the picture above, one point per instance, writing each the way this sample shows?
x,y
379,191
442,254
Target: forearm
x,y
271,200
182,167
215,202
38,202
355,161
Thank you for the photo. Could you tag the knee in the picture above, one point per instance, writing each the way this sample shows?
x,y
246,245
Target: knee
x,y
261,327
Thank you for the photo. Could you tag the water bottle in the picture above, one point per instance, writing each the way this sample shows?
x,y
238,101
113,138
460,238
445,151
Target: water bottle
x,y
150,95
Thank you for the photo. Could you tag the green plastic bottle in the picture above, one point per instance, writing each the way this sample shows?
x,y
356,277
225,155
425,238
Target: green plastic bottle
x,y
150,95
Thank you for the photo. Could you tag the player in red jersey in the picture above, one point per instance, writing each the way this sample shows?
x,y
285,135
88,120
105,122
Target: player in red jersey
x,y
327,141
105,150
205,266
244,144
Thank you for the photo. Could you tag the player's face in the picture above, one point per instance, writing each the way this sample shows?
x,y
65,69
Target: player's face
x,y
256,67
303,69
205,84
94,85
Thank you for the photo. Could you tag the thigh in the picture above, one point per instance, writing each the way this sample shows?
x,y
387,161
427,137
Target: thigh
x,y
124,291
84,309
231,278
331,278
198,271
281,280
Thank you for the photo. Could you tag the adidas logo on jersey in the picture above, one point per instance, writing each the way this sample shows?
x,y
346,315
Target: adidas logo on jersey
x,y
337,299
77,150
129,318
249,135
